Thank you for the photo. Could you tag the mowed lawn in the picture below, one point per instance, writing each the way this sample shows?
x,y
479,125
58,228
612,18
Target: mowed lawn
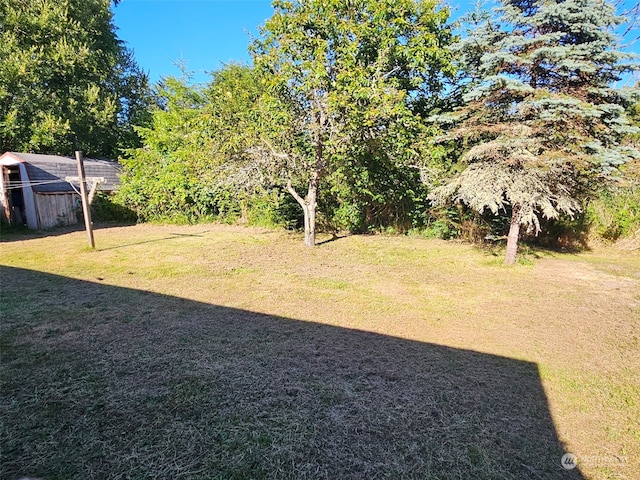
x,y
225,352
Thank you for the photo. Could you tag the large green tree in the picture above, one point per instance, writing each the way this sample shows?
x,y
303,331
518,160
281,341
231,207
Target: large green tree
x,y
540,121
66,80
344,78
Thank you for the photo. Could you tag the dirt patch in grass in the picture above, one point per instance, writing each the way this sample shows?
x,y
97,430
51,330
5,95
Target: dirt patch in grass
x,y
223,352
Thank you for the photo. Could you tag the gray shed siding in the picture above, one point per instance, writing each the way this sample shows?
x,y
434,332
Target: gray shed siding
x,y
57,209
49,200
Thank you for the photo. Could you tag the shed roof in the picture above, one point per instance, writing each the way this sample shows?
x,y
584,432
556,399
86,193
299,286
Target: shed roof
x,y
44,170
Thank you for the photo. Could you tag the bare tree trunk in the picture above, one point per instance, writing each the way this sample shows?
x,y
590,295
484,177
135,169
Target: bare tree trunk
x,y
514,234
310,230
309,205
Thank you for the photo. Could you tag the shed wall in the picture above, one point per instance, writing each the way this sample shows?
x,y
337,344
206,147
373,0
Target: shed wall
x,y
56,209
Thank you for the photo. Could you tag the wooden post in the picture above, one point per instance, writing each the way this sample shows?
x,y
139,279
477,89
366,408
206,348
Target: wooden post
x,y
86,208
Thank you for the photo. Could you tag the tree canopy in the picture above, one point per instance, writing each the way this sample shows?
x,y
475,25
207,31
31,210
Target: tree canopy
x,y
66,80
195,133
339,108
349,74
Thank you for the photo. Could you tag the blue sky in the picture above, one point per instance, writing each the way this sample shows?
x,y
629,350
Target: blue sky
x,y
204,34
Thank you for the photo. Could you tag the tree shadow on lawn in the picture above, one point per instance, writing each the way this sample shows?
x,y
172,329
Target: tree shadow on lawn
x,y
108,382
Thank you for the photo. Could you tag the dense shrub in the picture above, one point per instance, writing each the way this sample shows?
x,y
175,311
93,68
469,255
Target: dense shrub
x,y
615,213
105,208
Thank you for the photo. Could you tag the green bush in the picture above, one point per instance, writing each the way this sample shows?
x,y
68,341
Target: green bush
x,y
459,221
563,233
106,208
615,213
274,208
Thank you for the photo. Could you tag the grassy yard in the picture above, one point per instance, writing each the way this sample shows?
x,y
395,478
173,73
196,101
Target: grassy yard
x,y
233,353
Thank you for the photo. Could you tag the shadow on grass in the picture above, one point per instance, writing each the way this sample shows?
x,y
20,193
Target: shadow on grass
x,y
23,233
171,236
17,233
334,237
107,382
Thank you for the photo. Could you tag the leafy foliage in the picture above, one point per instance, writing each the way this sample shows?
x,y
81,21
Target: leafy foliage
x,y
105,209
66,81
185,170
615,213
166,176
336,105
350,75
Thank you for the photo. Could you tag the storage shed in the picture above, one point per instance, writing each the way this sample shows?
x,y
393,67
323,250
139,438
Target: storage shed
x,y
34,190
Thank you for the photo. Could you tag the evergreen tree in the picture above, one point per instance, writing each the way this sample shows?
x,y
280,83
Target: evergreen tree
x,y
540,122
66,81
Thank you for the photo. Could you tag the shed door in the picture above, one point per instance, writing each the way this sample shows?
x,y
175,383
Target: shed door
x,y
6,207
13,197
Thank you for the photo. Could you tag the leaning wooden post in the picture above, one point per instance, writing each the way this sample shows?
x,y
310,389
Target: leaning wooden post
x,y
86,208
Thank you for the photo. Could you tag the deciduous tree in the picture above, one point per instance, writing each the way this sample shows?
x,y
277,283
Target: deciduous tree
x,y
196,132
343,78
66,80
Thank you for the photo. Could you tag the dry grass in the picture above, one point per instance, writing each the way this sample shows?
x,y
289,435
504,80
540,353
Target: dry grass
x,y
224,352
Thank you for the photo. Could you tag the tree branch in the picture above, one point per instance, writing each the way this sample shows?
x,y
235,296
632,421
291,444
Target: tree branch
x,y
295,195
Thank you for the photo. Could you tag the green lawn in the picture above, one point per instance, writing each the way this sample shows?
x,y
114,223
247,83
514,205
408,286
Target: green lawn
x,y
233,353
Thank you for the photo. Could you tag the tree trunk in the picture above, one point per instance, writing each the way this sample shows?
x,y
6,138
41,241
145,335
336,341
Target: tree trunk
x,y
309,205
514,234
310,214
